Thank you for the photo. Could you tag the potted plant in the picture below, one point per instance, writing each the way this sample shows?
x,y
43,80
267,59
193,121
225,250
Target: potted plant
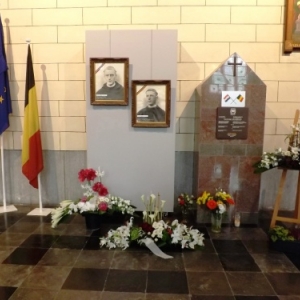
x,y
96,202
285,240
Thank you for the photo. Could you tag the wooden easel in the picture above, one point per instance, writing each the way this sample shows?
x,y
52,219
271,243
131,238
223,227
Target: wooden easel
x,y
296,218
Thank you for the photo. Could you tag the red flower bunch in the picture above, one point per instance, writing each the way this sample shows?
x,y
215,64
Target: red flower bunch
x,y
146,227
87,174
186,201
100,189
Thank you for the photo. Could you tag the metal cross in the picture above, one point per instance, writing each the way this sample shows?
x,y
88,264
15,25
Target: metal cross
x,y
234,64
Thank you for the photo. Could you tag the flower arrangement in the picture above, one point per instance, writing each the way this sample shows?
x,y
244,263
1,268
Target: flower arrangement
x,y
160,232
153,230
95,199
186,202
285,159
216,203
279,158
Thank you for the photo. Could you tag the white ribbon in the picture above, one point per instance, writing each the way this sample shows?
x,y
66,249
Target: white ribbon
x,y
154,249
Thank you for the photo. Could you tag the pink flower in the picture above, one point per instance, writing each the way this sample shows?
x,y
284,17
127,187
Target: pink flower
x,y
103,206
84,199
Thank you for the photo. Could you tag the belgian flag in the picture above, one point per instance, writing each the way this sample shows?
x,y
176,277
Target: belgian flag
x,y
32,156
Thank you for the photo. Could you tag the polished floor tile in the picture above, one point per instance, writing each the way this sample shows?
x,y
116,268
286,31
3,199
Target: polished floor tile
x,y
169,282
39,241
274,262
126,281
70,242
123,295
130,260
256,298
250,284
46,277
33,294
14,275
176,264
202,262
285,283
197,297
224,246
95,259
238,262
208,283
60,257
86,279
6,292
78,295
39,262
25,256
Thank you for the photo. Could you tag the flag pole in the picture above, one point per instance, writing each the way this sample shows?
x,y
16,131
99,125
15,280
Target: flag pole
x,y
4,208
5,110
37,211
40,193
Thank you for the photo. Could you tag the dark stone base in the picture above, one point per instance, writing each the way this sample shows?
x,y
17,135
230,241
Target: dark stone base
x,y
289,247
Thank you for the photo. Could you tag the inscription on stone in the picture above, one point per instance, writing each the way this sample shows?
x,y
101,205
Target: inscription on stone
x,y
232,123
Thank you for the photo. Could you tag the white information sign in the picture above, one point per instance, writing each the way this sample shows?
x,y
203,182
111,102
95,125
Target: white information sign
x,y
233,99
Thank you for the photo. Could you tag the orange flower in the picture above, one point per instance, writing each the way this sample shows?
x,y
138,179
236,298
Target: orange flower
x,y
211,204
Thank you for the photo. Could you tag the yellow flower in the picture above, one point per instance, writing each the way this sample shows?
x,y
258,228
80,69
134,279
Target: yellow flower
x,y
203,198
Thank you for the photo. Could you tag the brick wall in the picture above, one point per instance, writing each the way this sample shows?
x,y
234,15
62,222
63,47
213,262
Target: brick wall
x,y
208,32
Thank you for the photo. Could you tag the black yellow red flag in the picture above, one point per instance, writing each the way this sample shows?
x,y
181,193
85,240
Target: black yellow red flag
x,y
32,155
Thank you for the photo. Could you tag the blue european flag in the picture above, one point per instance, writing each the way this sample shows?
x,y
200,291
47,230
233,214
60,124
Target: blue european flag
x,y
5,101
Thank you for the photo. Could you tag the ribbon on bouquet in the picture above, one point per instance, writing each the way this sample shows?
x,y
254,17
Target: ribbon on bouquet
x,y
155,249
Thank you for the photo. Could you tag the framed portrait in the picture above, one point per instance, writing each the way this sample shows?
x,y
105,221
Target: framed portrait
x,y
292,26
109,81
151,103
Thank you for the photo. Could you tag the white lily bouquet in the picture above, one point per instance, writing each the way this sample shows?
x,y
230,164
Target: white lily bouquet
x,y
153,231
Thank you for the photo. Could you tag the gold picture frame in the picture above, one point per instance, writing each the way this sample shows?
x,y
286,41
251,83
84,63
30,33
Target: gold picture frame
x,y
292,26
109,81
151,102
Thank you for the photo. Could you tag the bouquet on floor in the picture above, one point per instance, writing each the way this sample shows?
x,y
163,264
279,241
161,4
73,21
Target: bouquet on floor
x,y
95,199
153,230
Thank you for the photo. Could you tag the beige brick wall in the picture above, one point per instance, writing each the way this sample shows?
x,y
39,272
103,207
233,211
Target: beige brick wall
x,y
208,32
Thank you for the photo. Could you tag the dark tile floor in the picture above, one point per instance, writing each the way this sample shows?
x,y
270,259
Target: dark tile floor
x,y
38,262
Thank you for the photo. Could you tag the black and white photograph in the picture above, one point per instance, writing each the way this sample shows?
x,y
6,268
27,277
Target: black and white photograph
x,y
151,103
109,81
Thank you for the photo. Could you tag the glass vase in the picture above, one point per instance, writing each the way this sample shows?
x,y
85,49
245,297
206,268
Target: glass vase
x,y
216,222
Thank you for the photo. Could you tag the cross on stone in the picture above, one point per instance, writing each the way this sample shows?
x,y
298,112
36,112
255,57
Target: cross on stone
x,y
234,64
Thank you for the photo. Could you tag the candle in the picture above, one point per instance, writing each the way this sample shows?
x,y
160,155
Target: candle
x,y
237,219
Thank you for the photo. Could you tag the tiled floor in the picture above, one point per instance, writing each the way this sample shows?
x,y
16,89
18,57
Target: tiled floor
x,y
38,262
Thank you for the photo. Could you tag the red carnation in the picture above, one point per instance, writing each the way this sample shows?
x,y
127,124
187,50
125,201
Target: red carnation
x,y
89,174
103,206
100,189
211,204
181,202
147,227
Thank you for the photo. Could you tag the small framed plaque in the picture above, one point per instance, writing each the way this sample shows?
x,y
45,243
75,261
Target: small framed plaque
x,y
232,123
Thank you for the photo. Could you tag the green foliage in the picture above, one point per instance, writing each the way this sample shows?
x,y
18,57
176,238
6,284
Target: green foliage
x,y
280,233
